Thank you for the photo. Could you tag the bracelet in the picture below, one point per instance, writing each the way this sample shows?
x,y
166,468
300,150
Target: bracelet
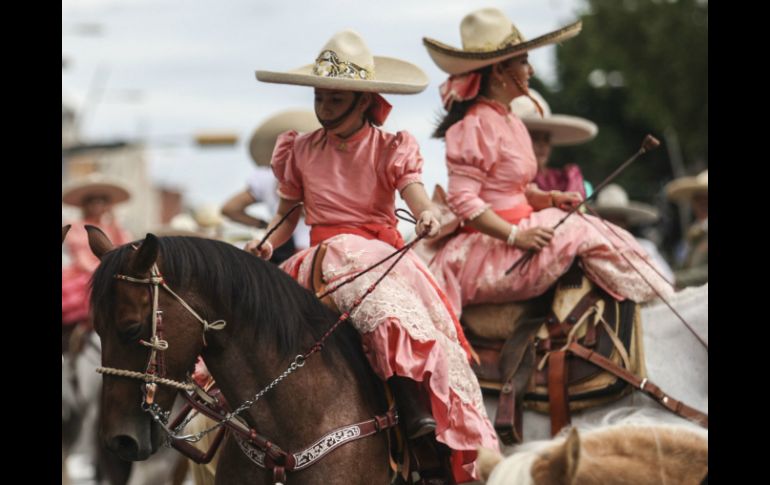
x,y
512,235
553,202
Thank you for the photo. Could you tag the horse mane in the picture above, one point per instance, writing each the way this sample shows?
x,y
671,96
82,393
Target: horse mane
x,y
244,288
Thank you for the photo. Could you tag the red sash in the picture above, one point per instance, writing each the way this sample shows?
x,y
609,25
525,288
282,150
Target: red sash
x,y
385,233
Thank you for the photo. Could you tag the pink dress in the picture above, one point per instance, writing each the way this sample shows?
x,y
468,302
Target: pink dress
x,y
567,179
406,324
490,163
75,277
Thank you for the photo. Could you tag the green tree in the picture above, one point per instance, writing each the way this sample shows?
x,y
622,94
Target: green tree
x,y
637,67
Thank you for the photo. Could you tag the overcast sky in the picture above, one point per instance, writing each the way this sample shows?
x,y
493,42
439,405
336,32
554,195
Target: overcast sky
x,y
162,70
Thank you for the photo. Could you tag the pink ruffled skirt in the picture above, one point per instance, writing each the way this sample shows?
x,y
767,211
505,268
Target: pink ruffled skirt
x,y
470,267
407,330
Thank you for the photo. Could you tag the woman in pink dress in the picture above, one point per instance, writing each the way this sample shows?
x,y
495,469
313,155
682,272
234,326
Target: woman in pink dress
x,y
491,167
548,130
347,175
95,195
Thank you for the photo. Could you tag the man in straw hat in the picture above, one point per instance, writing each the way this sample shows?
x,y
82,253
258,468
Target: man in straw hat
x,y
95,195
347,175
261,184
612,205
551,130
694,269
491,167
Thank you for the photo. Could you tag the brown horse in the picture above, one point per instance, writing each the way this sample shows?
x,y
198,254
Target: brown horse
x,y
269,318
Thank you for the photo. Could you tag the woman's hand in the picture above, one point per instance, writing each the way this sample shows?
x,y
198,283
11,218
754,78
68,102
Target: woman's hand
x,y
535,238
427,224
566,200
265,252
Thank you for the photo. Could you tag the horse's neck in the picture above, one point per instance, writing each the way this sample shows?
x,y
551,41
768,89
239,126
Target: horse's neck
x,y
313,400
676,360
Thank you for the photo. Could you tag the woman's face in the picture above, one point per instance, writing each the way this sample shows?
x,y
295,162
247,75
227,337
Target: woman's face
x,y
340,112
541,143
517,71
95,207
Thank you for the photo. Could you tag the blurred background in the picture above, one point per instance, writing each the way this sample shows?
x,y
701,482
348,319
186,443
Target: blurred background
x,y
163,95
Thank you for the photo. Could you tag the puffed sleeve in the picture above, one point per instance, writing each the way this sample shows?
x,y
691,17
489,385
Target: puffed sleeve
x,y
404,165
285,167
471,152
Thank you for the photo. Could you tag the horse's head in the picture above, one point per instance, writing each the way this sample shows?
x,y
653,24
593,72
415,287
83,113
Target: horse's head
x,y
135,344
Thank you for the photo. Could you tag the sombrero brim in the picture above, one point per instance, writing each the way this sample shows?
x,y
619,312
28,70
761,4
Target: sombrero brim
x,y
564,129
262,142
682,190
636,212
457,61
392,76
75,195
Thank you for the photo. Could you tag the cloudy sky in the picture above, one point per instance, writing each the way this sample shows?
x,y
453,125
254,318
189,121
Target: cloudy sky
x,y
162,70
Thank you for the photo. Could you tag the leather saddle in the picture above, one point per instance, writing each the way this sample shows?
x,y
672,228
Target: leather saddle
x,y
522,349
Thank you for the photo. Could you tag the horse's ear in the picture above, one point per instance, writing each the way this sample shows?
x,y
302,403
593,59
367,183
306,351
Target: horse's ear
x,y
64,231
560,463
487,460
98,241
147,254
572,455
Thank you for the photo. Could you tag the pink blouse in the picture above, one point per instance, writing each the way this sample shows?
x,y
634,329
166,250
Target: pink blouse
x,y
349,181
490,160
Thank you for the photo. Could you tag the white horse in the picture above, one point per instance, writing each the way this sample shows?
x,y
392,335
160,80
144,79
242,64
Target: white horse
x,y
676,361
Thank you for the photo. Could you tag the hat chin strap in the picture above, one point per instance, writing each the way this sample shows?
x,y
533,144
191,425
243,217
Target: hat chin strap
x,y
331,124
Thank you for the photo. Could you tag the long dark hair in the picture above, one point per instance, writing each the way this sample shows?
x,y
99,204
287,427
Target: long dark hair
x,y
460,108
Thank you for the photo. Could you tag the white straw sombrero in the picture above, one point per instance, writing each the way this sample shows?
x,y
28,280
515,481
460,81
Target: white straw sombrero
x,y
683,188
613,201
94,185
564,129
488,37
263,140
346,63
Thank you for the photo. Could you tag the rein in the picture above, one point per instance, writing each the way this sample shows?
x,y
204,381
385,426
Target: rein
x,y
259,449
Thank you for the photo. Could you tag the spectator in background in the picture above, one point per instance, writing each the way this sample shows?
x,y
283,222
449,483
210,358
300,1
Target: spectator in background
x,y
262,185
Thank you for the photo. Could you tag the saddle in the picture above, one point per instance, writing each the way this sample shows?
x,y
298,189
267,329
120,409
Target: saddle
x,y
523,349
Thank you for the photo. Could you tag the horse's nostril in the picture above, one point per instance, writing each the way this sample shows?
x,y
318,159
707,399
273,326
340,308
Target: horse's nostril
x,y
124,446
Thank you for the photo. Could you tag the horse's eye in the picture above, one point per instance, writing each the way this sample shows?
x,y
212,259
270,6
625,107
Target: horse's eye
x,y
131,331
